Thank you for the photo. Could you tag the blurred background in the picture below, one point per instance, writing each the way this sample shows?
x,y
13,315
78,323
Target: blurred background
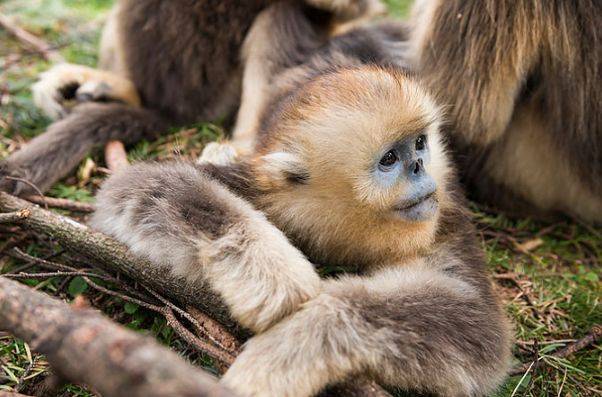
x,y
548,274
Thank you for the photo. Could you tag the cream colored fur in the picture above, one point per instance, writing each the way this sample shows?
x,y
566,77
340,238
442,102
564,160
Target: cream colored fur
x,y
112,54
527,160
490,113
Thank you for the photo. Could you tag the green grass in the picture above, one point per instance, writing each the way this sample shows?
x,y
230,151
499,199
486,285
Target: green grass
x,y
552,291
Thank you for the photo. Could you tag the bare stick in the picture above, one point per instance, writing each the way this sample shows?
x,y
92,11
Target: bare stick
x,y
115,156
31,41
83,346
592,337
63,204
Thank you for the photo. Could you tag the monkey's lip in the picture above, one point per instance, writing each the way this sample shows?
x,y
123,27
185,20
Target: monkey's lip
x,y
418,209
407,205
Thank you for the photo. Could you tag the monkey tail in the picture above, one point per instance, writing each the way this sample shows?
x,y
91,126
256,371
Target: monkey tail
x,y
53,154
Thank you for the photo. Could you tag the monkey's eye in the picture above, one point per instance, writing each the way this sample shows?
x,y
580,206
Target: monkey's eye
x,y
388,159
421,142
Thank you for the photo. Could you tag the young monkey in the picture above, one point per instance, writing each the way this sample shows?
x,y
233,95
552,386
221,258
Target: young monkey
x,y
349,166
355,182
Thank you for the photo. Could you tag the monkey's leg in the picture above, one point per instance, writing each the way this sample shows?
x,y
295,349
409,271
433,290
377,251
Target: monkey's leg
x,y
284,36
281,36
53,154
409,327
178,217
64,85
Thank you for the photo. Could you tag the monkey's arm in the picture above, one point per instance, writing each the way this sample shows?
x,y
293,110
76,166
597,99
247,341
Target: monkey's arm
x,y
183,219
69,83
410,327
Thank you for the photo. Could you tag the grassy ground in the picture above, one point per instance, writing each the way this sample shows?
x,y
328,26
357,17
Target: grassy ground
x,y
548,274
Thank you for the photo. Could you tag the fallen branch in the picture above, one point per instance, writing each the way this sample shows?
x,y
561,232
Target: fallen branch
x,y
14,217
113,256
592,337
63,204
29,40
83,346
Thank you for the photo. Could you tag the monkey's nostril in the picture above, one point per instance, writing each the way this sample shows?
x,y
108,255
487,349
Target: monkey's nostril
x,y
417,166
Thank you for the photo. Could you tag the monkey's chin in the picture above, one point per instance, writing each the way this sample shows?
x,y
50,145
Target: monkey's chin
x,y
419,210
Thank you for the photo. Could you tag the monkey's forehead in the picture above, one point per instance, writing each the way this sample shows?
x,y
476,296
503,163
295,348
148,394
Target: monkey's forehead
x,y
388,93
355,85
385,102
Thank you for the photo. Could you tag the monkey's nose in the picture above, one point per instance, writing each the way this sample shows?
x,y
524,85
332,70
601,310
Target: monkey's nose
x,y
416,167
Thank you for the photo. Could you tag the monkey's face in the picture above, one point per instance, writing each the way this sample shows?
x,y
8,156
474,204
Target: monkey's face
x,y
359,153
368,139
402,170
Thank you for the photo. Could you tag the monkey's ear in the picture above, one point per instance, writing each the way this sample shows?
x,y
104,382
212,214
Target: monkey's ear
x,y
281,168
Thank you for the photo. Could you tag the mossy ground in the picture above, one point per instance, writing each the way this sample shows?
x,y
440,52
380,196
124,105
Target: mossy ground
x,y
548,273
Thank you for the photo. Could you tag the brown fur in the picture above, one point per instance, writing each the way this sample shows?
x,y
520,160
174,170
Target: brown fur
x,y
491,62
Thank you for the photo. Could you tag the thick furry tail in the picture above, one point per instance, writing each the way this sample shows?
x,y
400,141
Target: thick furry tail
x,y
53,154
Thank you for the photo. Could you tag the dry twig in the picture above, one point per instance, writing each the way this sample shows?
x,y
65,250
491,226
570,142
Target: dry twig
x,y
592,337
218,352
63,204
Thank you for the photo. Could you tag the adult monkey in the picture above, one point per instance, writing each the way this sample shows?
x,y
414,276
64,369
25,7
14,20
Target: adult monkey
x,y
521,81
163,63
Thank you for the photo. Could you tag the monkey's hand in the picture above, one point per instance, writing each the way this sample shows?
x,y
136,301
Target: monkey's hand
x,y
65,85
409,327
219,153
179,218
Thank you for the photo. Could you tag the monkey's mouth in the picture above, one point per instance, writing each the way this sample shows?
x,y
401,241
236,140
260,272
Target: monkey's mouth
x,y
417,209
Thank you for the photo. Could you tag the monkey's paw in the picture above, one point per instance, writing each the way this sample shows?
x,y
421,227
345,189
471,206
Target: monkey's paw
x,y
65,85
218,154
